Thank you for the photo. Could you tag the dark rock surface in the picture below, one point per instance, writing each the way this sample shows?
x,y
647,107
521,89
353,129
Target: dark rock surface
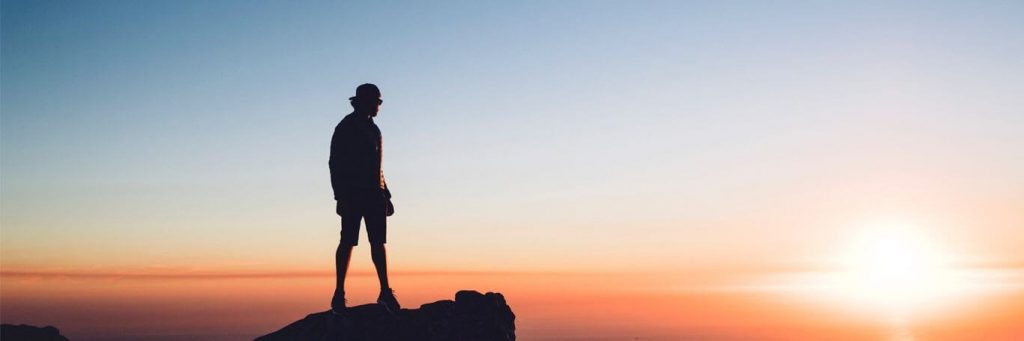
x,y
10,332
471,316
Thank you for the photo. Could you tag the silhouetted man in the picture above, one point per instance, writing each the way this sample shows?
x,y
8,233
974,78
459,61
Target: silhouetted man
x,y
361,193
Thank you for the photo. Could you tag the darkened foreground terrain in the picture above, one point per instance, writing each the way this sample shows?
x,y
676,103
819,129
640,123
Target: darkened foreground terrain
x,y
10,332
471,316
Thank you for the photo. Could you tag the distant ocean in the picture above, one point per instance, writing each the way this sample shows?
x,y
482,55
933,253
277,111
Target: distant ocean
x,y
548,306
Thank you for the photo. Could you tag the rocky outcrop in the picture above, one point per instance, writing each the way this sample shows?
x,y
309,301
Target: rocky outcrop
x,y
471,316
24,332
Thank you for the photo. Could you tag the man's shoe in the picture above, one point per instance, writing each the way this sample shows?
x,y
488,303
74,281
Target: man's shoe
x,y
388,300
338,303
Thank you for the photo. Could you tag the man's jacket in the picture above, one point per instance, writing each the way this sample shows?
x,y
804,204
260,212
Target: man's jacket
x,y
356,153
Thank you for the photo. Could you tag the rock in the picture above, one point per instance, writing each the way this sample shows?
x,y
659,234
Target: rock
x,y
10,332
471,316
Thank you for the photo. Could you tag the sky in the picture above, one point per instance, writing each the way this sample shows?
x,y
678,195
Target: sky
x,y
532,136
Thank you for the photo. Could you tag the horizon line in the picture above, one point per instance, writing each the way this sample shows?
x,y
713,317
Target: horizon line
x,y
186,274
268,274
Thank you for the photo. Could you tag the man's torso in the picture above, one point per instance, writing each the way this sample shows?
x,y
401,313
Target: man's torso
x,y
356,153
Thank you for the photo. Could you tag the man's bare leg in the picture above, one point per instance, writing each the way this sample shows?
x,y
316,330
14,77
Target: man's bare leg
x,y
380,262
387,296
341,260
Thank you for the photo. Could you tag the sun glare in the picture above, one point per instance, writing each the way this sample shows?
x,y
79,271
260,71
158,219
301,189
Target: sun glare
x,y
895,267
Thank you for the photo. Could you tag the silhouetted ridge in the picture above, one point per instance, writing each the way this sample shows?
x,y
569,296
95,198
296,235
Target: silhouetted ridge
x,y
10,332
471,316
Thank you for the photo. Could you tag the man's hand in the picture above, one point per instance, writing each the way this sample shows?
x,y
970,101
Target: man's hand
x,y
337,208
389,209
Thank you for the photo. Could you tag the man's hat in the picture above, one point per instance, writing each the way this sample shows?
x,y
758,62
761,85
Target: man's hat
x,y
366,91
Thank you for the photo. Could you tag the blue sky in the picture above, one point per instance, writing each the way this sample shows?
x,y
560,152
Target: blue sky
x,y
190,132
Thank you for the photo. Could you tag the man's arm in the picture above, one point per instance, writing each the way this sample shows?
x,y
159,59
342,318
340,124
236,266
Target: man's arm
x,y
380,141
389,208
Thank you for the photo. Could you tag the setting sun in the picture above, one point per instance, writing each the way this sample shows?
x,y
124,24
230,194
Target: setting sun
x,y
896,267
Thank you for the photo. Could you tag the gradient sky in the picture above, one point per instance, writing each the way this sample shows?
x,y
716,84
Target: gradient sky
x,y
561,135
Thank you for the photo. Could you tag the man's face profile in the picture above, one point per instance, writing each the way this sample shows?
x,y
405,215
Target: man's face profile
x,y
367,105
367,100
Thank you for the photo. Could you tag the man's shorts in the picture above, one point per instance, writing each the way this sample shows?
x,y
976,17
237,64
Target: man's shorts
x,y
368,205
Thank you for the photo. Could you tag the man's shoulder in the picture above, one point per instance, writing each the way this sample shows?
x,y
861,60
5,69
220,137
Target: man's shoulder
x,y
347,121
353,120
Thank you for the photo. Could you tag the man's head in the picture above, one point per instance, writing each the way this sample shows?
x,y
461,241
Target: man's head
x,y
367,100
